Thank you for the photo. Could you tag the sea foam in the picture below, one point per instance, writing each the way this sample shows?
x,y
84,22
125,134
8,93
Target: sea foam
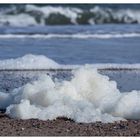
x,y
87,97
29,61
32,61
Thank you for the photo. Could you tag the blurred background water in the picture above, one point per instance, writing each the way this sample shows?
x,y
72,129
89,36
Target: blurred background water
x,y
71,33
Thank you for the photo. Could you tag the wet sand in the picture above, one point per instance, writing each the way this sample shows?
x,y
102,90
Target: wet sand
x,y
66,127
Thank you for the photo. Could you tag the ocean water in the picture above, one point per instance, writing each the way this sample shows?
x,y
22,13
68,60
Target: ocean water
x,y
73,44
111,37
77,40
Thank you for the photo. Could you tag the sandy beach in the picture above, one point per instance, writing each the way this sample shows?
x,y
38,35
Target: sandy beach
x,y
66,127
69,69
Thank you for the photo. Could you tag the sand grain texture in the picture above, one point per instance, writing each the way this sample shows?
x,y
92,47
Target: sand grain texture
x,y
66,127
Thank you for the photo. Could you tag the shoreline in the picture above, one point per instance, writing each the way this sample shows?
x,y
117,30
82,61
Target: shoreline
x,y
66,127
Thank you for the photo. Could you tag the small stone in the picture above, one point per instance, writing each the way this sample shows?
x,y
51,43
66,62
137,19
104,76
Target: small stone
x,y
135,122
115,127
33,124
22,128
122,126
67,130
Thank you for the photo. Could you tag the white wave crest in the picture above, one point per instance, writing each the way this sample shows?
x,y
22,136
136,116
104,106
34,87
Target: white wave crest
x,y
71,13
120,15
38,15
74,36
17,20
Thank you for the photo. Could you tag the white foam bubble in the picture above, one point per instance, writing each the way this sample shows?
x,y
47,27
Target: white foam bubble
x,y
28,61
87,97
128,105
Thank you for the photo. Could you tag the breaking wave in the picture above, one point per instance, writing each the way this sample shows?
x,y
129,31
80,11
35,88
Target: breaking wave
x,y
65,15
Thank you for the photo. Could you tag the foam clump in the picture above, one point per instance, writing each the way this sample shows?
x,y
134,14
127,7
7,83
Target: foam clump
x,y
87,97
29,61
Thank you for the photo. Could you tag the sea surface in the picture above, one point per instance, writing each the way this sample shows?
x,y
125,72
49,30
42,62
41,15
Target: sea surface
x,y
108,33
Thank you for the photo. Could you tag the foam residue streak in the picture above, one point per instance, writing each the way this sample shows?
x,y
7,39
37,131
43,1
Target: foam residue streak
x,y
87,97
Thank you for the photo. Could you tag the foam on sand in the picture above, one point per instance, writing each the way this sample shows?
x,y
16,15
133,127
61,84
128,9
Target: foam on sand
x,y
87,97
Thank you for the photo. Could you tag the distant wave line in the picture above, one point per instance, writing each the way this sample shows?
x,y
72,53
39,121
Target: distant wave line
x,y
66,36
